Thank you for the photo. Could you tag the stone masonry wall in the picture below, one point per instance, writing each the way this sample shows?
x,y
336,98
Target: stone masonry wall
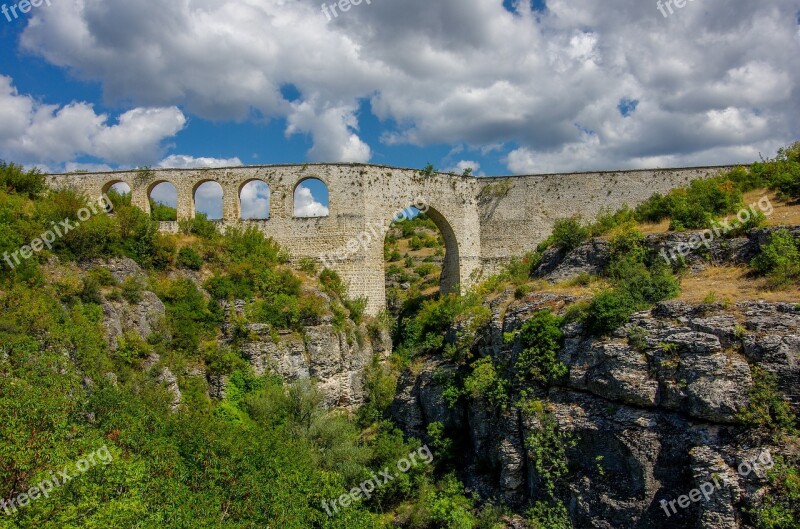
x,y
484,221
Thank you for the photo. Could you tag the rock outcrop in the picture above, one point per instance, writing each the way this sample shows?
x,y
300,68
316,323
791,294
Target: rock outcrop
x,y
652,412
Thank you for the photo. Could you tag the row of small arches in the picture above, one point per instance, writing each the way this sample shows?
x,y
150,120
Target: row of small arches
x,y
311,198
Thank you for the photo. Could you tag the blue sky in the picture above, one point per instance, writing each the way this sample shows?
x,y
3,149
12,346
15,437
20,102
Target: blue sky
x,y
504,86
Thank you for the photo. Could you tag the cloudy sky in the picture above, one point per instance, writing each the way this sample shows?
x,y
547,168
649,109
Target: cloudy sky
x,y
504,87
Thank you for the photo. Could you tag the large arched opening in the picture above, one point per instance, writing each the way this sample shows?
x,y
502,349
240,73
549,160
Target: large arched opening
x,y
207,197
421,258
163,200
254,200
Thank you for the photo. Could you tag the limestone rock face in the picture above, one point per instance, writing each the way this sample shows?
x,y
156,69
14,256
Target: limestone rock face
x,y
651,417
336,360
593,255
119,316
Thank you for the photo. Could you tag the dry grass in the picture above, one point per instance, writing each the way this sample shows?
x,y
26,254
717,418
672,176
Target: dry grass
x,y
577,288
732,283
649,229
786,213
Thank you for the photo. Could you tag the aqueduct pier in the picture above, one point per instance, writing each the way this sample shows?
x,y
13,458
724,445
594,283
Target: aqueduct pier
x,y
484,220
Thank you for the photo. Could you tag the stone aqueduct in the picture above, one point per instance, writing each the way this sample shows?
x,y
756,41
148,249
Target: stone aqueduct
x,y
484,221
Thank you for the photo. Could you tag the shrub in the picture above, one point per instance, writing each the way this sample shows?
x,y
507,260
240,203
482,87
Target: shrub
x,y
132,290
200,226
609,310
332,283
424,269
15,179
309,265
189,258
356,307
568,234
162,212
549,515
779,259
767,408
541,339
485,382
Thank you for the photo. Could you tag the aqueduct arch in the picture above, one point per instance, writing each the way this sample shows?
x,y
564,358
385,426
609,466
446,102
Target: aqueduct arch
x,y
485,221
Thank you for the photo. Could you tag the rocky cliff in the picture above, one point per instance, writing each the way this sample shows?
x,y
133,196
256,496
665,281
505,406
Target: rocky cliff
x,y
334,358
644,416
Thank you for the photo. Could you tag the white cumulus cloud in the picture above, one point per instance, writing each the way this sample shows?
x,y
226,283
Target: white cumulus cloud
x,y
306,206
34,132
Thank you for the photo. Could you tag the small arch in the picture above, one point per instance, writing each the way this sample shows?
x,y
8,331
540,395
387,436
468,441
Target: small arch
x,y
254,200
311,199
163,201
120,187
208,196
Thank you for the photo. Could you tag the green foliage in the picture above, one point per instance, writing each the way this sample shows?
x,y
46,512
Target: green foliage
x,y
332,283
15,179
356,307
309,265
609,310
547,447
189,258
428,170
767,408
486,383
189,315
568,234
200,226
379,388
549,515
541,339
132,290
635,284
780,508
779,259
162,212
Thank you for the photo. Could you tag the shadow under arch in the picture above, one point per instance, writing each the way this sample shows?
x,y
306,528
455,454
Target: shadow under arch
x,y
449,279
451,272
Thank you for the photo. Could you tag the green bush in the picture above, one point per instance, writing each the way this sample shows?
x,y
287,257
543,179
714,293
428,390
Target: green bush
x,y
780,507
309,265
332,283
779,259
356,307
568,234
200,226
541,339
767,408
189,258
609,310
15,179
162,213
486,383
132,290
424,269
